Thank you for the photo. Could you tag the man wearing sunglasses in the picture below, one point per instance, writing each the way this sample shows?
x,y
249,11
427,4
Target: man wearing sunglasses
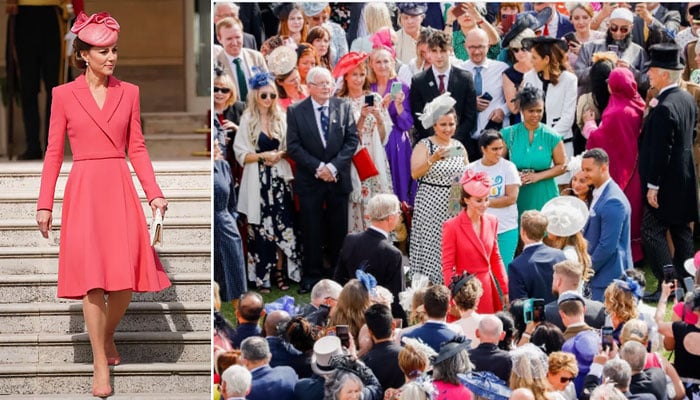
x,y
617,40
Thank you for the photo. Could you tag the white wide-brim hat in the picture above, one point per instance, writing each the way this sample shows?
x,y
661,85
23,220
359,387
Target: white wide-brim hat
x,y
566,215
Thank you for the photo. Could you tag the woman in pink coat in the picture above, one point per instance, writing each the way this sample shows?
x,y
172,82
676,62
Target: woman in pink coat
x,y
617,134
105,246
470,243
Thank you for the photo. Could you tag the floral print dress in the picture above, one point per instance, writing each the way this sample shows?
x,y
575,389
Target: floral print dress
x,y
362,191
276,228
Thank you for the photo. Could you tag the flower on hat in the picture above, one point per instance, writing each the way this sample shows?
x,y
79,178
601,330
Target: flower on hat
x,y
631,286
99,29
382,40
282,60
82,20
436,109
367,279
260,78
475,183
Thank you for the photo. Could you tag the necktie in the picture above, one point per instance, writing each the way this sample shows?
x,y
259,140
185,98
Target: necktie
x,y
324,122
441,86
242,87
545,32
478,82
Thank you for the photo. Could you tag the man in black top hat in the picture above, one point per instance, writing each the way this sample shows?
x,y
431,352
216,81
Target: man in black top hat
x,y
666,165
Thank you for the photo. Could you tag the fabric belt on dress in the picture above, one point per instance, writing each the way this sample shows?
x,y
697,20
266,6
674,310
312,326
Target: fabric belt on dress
x,y
434,184
99,156
568,140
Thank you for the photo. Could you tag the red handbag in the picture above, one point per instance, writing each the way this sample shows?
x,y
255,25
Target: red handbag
x,y
364,164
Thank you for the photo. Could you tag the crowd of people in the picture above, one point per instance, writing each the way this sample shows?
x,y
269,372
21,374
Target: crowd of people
x,y
468,191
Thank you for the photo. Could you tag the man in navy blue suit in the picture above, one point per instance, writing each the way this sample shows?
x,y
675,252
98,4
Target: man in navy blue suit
x,y
608,228
321,139
268,383
530,273
435,330
248,314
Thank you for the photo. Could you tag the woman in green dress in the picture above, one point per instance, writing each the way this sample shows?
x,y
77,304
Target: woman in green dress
x,y
536,150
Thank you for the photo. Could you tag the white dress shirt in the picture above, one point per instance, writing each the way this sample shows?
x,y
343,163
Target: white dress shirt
x,y
598,191
447,76
244,67
492,82
317,117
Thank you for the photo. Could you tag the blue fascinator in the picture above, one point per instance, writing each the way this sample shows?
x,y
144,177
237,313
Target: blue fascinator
x,y
630,285
260,78
368,280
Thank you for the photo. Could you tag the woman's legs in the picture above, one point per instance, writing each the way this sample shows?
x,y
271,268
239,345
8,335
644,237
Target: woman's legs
x,y
117,303
102,319
95,314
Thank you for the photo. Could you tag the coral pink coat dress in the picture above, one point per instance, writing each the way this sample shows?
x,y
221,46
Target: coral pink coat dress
x,y
104,234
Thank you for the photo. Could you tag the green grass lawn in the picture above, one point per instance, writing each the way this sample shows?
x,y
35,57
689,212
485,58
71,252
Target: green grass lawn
x,y
275,294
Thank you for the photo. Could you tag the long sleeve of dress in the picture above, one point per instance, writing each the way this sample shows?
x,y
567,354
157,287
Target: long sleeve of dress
x,y
54,153
138,154
403,121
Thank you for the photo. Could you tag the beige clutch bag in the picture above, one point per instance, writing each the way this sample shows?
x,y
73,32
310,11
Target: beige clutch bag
x,y
157,229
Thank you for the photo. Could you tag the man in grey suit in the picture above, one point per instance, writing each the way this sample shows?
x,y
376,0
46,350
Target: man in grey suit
x,y
321,139
237,61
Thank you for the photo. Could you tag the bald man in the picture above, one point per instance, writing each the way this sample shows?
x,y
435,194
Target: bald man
x,y
487,356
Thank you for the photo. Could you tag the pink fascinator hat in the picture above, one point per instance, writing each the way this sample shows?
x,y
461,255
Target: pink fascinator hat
x,y
477,184
382,40
99,29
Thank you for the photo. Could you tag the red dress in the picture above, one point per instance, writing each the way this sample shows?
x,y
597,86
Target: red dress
x,y
104,234
463,251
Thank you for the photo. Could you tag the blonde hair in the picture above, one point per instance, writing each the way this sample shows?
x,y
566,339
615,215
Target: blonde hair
x,y
226,81
579,243
620,303
371,77
376,17
562,361
277,118
635,330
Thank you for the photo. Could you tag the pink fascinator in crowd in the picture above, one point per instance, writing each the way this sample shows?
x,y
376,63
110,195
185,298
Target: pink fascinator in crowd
x,y
477,184
382,40
99,29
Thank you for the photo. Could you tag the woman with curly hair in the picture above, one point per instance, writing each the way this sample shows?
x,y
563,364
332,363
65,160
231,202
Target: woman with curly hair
x,y
266,196
621,298
353,301
563,369
466,292
414,360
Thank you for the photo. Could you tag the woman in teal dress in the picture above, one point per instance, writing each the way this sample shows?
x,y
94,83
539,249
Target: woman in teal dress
x,y
536,150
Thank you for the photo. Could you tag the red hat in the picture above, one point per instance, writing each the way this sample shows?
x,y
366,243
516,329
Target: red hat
x,y
476,184
99,29
348,62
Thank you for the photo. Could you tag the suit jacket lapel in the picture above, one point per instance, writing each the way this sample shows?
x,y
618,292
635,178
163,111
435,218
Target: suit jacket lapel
x,y
87,101
308,116
430,82
468,230
334,117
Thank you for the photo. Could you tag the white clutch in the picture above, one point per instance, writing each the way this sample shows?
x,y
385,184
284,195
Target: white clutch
x,y
157,229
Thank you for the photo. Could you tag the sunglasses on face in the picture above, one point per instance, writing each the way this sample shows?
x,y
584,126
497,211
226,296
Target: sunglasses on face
x,y
565,379
518,49
622,29
264,96
223,90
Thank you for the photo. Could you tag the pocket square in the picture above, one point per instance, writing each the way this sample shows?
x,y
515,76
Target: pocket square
x,y
156,231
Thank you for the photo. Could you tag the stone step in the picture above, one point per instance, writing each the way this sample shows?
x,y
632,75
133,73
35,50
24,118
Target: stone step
x,y
44,260
134,347
120,396
187,146
157,378
41,288
172,122
61,318
182,203
26,176
177,231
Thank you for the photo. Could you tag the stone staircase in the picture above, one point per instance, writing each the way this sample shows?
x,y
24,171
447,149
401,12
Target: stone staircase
x,y
164,338
175,135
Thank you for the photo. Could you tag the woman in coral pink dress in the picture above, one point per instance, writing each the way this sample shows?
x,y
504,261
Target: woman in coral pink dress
x,y
105,246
